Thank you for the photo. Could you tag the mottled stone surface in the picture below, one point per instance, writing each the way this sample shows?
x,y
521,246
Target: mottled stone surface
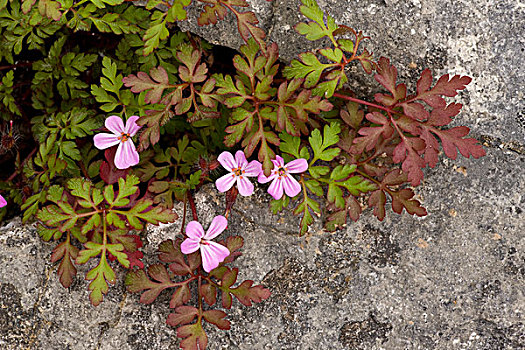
x,y
451,280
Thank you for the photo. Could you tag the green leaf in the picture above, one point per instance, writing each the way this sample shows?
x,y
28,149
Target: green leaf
x,y
309,68
155,33
144,210
307,206
318,28
278,205
126,188
99,277
320,143
290,144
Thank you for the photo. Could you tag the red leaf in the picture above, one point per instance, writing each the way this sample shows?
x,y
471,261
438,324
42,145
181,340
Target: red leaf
x,y
407,151
394,178
354,208
181,296
182,315
387,76
452,138
209,292
404,199
66,269
443,87
415,110
247,294
142,82
108,172
377,200
135,259
443,116
216,317
371,135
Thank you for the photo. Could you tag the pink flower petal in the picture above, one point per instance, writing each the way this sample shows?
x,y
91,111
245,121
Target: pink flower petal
x,y
278,161
227,161
244,186
131,125
194,230
276,188
3,202
263,179
103,141
212,254
253,168
291,186
240,159
126,155
297,166
224,183
190,245
115,124
218,224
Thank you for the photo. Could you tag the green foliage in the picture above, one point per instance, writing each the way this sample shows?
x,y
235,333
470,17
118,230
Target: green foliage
x,y
65,69
6,94
92,217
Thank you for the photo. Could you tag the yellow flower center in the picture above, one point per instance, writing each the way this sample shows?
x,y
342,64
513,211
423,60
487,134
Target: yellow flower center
x,y
123,137
238,171
282,171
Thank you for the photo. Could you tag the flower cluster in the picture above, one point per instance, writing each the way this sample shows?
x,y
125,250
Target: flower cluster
x,y
239,169
3,202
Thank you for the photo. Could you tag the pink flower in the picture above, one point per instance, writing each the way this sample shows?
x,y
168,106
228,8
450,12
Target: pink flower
x,y
3,202
239,169
212,253
127,154
282,179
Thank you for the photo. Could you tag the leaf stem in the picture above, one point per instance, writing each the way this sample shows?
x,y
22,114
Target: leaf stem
x,y
192,207
23,163
353,99
184,215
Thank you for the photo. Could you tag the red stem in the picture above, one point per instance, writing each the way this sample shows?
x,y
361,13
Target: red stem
x,y
345,97
23,162
192,206
11,66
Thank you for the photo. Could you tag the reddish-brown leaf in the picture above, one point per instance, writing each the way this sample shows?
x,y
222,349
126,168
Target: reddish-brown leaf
x,y
142,82
407,151
404,199
444,87
387,76
195,337
209,293
137,281
181,296
377,200
370,136
66,269
182,315
217,318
